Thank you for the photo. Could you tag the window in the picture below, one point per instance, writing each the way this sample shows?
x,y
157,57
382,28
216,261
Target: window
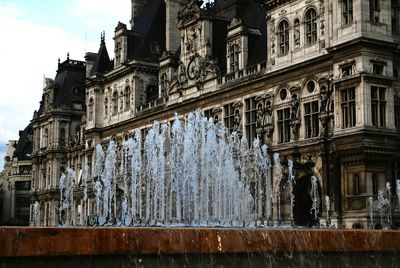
x,y
283,35
284,125
251,119
356,184
348,103
378,106
395,16
62,137
347,12
397,115
311,121
311,26
377,68
229,117
234,57
283,94
375,184
46,137
151,93
347,70
115,103
310,86
106,107
90,109
164,84
127,97
374,10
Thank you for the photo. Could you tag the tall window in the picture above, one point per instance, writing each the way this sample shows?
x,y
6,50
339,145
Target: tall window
x,y
229,117
127,97
347,12
356,184
374,9
164,84
395,16
90,109
311,122
378,106
115,102
348,103
151,93
283,32
251,115
284,125
234,57
397,115
375,184
105,106
311,26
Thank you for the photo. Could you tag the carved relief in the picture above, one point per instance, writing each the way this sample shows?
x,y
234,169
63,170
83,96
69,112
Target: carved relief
x,y
181,74
296,35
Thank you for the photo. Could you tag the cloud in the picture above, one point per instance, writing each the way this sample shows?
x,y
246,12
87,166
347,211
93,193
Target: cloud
x,y
28,51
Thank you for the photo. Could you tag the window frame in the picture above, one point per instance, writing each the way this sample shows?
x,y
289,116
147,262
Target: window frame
x,y
311,119
311,27
348,107
347,12
283,123
283,37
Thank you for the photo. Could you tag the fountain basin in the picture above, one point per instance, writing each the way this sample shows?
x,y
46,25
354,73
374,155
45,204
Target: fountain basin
x,y
45,242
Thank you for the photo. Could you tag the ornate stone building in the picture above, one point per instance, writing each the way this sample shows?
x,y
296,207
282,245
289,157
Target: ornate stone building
x,y
57,137
15,180
316,80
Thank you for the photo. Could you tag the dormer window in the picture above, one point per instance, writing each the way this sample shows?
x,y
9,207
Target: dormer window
x,y
283,33
118,49
234,57
151,93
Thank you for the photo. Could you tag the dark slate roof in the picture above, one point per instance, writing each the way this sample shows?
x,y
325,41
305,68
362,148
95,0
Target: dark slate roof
x,y
24,145
102,63
68,84
146,40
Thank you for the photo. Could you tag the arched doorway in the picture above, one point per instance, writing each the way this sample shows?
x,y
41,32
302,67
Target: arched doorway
x,y
303,202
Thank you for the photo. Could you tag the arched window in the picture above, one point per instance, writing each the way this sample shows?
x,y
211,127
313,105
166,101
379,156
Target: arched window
x,y
151,93
283,33
127,97
115,103
311,26
234,57
356,184
90,109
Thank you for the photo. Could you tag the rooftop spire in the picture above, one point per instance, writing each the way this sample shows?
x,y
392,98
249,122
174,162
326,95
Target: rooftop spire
x,y
102,37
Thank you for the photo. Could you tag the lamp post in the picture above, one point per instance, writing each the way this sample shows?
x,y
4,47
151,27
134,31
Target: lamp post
x,y
325,117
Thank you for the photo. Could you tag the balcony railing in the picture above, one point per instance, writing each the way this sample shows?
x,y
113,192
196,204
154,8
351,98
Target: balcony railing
x,y
152,104
254,69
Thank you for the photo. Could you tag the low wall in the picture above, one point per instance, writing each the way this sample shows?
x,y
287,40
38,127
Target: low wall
x,y
39,242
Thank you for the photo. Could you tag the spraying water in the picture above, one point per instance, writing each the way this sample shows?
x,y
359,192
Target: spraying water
x,y
314,197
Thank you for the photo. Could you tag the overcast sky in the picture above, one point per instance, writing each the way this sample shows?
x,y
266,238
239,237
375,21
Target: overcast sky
x,y
34,34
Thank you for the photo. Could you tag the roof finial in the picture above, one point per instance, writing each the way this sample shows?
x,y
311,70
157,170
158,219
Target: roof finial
x,y
67,55
103,35
59,61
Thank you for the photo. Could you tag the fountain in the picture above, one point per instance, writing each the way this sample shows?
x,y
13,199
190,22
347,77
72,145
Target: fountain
x,y
192,188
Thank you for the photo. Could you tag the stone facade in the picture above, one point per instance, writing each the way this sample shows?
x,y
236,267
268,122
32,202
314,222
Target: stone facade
x,y
316,80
